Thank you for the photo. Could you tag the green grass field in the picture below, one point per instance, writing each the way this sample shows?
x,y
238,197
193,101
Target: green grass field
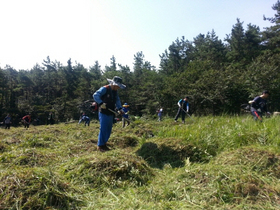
x,y
207,163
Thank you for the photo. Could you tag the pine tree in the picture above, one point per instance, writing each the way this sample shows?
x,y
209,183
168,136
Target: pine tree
x,y
271,35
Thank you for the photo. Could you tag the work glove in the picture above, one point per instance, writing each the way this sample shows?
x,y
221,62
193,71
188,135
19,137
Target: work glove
x,y
121,112
103,106
250,102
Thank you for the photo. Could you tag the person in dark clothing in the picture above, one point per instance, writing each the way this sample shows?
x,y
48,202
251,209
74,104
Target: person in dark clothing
x,y
183,105
107,99
7,121
259,105
26,121
50,119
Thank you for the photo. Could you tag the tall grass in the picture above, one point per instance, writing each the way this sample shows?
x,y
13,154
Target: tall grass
x,y
207,163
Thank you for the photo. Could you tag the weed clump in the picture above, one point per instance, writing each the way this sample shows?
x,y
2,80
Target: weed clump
x,y
125,141
142,130
11,140
35,189
27,158
234,188
259,160
116,170
35,141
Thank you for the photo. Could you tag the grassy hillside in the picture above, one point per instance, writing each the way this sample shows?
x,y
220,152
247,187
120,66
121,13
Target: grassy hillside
x,y
207,163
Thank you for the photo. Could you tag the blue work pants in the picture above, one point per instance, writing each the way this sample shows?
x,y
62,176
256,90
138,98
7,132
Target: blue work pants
x,y
180,111
106,124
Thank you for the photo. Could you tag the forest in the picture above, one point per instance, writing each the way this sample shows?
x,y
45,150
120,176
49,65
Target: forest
x,y
218,76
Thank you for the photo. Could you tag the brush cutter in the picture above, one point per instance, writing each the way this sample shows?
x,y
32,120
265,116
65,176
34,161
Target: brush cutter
x,y
89,105
246,107
116,113
258,116
186,113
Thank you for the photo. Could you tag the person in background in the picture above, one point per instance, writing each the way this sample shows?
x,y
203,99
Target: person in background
x,y
125,115
50,119
37,121
183,105
107,99
26,120
7,121
85,118
259,105
159,112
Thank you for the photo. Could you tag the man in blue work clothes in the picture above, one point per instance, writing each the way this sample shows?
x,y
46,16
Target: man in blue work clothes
x,y
125,115
258,105
107,99
183,105
85,118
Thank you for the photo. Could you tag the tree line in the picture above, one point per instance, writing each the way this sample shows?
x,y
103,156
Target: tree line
x,y
218,76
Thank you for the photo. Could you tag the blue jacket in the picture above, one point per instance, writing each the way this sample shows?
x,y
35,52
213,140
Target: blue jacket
x,y
184,104
84,118
125,110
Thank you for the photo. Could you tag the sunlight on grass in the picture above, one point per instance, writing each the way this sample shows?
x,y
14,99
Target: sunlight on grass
x,y
207,163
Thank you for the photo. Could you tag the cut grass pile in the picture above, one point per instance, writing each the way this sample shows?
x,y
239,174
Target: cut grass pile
x,y
208,163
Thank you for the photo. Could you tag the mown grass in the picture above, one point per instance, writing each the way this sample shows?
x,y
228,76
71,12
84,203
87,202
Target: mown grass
x,y
208,163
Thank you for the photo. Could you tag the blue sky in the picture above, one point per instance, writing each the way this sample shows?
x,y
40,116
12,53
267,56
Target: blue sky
x,y
90,30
